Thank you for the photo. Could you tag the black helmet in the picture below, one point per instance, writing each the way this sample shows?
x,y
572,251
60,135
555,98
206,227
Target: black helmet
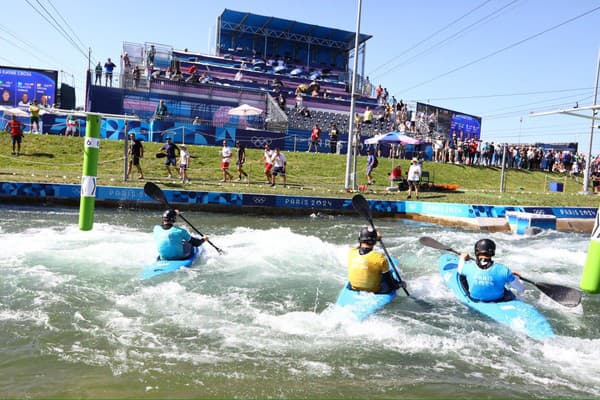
x,y
367,235
485,246
169,216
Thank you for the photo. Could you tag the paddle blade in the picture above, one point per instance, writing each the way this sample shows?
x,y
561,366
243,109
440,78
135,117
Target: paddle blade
x,y
156,193
361,205
431,242
564,295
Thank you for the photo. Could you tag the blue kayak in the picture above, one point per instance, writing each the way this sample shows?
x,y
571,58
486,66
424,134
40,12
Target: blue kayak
x,y
160,267
511,311
362,304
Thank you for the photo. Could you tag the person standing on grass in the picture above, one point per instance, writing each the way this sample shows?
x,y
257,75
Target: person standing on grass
x,y
413,177
225,161
184,164
136,151
279,164
15,127
315,136
169,149
266,158
241,159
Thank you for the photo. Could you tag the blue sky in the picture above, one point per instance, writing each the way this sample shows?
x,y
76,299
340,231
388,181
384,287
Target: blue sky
x,y
498,59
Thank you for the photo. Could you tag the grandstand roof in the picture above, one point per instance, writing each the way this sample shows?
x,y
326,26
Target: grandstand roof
x,y
279,28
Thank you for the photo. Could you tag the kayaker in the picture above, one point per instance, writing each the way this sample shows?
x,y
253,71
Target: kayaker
x,y
486,278
173,242
368,270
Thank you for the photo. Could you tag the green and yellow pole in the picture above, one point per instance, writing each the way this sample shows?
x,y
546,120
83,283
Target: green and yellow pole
x,y
91,150
590,278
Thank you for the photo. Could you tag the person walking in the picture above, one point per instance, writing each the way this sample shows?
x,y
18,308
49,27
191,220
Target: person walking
x,y
226,154
371,165
169,149
34,110
279,164
266,158
136,151
413,177
241,160
15,127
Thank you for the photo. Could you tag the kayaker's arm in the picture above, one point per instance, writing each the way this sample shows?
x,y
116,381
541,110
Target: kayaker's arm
x,y
387,280
516,283
194,241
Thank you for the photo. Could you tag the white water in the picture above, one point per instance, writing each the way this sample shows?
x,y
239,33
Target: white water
x,y
259,322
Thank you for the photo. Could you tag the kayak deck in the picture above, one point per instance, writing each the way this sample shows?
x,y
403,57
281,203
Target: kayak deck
x,y
513,312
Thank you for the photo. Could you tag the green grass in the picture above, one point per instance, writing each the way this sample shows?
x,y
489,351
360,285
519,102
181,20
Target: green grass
x,y
58,159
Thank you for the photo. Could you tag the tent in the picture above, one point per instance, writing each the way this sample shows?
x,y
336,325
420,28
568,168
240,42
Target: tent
x,y
393,137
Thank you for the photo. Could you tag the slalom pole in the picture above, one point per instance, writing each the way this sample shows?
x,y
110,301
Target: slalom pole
x,y
91,150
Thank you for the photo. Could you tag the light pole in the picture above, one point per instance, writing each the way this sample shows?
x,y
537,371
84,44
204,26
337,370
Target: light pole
x,y
588,162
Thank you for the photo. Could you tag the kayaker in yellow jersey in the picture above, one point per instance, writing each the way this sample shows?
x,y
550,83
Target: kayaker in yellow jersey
x,y
368,270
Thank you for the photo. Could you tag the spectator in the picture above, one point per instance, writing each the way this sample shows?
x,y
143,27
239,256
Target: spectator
x,y
333,138
367,116
136,76
266,158
241,160
315,136
413,177
169,149
197,121
184,164
71,123
98,70
371,165
15,127
305,112
238,75
109,66
136,151
596,179
34,118
225,161
161,110
281,101
279,164
126,63
150,55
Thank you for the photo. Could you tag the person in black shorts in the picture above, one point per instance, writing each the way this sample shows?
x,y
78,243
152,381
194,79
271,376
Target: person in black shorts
x,y
136,151
169,148
596,179
241,159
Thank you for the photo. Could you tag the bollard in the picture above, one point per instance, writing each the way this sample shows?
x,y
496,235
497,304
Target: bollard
x,y
90,170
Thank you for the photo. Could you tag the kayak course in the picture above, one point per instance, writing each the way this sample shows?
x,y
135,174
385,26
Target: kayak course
x,y
260,320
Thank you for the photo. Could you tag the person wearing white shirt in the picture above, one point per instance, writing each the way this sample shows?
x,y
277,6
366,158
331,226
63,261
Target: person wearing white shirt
x,y
279,163
413,177
225,160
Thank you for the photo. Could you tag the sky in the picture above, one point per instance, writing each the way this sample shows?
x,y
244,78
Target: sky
x,y
498,59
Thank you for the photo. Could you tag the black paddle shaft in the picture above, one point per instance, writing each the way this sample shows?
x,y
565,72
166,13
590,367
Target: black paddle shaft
x,y
157,194
564,295
361,205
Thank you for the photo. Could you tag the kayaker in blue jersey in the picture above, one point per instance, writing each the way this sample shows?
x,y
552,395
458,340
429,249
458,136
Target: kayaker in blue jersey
x,y
173,242
486,279
368,270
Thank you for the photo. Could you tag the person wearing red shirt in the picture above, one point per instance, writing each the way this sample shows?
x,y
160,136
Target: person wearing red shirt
x,y
15,127
315,136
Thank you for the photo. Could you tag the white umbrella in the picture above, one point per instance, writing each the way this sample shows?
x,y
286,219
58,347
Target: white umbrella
x,y
245,110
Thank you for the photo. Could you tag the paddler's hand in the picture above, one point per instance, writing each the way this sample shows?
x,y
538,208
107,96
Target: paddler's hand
x,y
465,256
379,236
518,274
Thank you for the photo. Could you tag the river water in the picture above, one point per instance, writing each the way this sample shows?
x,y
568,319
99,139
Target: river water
x,y
258,321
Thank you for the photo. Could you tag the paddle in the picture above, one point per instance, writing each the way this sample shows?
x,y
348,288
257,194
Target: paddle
x,y
564,295
361,205
157,194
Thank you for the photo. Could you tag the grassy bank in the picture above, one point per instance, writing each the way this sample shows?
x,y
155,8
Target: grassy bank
x,y
58,159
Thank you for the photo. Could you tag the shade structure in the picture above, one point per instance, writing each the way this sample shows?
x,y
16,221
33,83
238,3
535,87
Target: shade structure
x,y
391,138
245,110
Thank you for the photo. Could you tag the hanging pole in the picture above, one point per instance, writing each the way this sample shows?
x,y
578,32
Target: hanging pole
x,y
588,163
352,106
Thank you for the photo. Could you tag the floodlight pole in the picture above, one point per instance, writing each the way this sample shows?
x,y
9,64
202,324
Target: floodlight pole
x,y
586,180
349,151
